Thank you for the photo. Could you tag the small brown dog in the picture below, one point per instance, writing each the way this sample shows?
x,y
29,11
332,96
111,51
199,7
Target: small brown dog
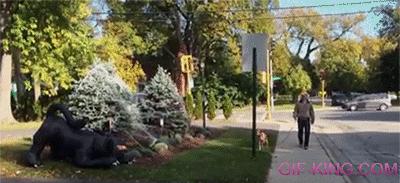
x,y
262,139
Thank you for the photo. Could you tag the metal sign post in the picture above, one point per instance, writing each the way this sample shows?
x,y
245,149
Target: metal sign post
x,y
253,56
254,101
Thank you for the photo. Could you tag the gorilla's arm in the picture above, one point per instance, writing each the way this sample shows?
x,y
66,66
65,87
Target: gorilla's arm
x,y
40,140
81,159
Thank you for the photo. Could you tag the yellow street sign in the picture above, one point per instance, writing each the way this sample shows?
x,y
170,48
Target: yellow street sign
x,y
187,64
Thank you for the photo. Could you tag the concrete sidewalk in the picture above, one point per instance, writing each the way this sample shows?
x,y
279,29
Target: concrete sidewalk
x,y
288,155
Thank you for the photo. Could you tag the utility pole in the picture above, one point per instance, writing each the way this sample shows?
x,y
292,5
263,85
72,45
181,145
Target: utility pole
x,y
323,92
268,83
203,93
322,76
272,83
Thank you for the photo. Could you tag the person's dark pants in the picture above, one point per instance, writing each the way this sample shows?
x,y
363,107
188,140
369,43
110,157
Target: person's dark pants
x,y
304,123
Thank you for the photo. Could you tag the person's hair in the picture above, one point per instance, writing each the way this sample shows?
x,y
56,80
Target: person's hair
x,y
303,97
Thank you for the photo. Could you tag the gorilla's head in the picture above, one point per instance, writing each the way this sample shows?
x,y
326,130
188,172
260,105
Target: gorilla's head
x,y
113,146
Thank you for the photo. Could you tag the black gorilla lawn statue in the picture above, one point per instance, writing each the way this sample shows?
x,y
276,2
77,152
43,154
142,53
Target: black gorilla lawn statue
x,y
68,141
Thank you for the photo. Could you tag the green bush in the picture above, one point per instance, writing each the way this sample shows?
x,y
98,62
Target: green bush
x,y
227,106
189,105
198,109
239,87
211,106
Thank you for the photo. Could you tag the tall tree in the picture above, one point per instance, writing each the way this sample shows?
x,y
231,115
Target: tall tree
x,y
389,62
194,27
389,71
281,60
5,65
55,42
373,48
390,21
311,33
343,65
118,43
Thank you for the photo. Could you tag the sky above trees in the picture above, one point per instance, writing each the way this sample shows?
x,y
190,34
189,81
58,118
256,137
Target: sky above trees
x,y
369,25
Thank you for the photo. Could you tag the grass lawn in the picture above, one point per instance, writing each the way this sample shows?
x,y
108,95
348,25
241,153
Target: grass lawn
x,y
282,107
19,125
224,159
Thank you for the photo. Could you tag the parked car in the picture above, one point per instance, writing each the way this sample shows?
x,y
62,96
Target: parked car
x,y
369,101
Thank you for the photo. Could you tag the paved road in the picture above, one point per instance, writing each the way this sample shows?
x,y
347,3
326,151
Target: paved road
x,y
359,137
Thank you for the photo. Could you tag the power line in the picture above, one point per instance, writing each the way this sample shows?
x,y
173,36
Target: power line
x,y
279,8
262,18
332,5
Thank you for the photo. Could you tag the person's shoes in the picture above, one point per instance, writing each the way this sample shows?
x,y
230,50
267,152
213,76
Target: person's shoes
x,y
300,144
305,147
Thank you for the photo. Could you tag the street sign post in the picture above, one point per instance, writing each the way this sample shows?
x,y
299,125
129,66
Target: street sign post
x,y
254,47
259,42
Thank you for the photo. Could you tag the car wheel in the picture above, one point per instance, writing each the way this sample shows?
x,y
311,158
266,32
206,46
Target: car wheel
x,y
353,108
383,107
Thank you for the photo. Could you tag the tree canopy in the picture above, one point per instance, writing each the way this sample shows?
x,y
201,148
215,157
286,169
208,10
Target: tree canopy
x,y
53,39
344,66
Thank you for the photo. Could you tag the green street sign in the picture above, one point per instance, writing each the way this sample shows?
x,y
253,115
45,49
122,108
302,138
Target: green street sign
x,y
276,78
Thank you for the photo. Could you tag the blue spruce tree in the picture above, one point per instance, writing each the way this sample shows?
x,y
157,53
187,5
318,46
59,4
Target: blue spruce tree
x,y
162,100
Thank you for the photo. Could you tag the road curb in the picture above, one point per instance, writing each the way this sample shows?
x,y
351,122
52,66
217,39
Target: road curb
x,y
329,153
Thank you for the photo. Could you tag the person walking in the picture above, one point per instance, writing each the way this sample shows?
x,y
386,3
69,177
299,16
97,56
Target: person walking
x,y
304,114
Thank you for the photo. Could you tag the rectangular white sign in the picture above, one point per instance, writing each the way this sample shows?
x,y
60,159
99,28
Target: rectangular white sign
x,y
249,42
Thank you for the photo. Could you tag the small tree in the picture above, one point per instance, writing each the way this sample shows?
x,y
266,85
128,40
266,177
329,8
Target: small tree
x,y
212,106
189,105
227,106
103,100
198,109
162,100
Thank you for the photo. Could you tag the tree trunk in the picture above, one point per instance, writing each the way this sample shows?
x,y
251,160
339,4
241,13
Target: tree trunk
x,y
18,79
36,89
181,50
5,67
5,89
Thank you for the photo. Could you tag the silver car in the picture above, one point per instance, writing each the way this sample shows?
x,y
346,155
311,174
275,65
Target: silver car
x,y
379,101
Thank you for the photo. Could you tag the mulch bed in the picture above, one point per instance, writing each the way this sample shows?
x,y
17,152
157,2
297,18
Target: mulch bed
x,y
165,156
